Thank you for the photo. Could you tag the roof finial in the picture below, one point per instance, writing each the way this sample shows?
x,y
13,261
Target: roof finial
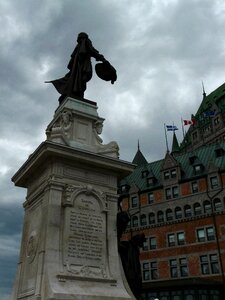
x,y
138,145
203,89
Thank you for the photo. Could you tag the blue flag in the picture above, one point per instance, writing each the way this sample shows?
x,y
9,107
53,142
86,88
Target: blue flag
x,y
171,127
209,113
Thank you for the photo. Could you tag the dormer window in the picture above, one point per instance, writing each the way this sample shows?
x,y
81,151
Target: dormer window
x,y
124,188
173,173
150,181
197,169
192,159
144,173
219,152
170,174
166,175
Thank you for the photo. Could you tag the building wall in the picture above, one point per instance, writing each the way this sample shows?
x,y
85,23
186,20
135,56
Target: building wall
x,y
190,249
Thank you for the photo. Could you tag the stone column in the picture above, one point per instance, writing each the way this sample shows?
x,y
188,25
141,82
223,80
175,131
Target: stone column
x,y
69,242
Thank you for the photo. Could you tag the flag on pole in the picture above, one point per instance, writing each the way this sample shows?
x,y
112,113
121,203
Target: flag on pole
x,y
171,127
209,113
189,122
167,147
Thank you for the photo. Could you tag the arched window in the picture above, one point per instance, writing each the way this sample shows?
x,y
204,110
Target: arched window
x,y
178,213
187,211
143,220
169,214
151,218
197,209
135,221
160,216
207,207
217,204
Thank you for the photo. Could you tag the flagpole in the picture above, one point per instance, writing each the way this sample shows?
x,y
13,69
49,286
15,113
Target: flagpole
x,y
182,124
167,148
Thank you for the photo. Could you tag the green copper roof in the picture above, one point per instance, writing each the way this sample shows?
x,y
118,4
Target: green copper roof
x,y
139,159
204,156
175,145
217,96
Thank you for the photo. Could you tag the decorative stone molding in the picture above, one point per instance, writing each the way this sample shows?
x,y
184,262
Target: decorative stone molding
x,y
88,271
80,128
31,248
71,192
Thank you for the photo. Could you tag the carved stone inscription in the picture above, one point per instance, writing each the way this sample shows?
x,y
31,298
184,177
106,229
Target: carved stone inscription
x,y
85,236
85,242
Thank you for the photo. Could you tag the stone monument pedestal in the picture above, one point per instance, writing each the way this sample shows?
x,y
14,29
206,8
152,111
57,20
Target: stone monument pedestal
x,y
69,242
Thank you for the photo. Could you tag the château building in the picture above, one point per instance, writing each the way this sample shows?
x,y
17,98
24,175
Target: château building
x,y
209,121
178,202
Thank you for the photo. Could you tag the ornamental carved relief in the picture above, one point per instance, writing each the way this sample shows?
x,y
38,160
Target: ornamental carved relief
x,y
31,248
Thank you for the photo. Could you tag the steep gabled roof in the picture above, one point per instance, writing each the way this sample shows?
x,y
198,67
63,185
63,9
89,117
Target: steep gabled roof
x,y
205,156
214,102
175,145
213,98
139,159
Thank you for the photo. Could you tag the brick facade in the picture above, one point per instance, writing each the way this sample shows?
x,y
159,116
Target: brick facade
x,y
185,231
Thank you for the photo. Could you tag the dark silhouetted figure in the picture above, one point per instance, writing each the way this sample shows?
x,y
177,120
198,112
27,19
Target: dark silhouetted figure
x,y
129,252
74,83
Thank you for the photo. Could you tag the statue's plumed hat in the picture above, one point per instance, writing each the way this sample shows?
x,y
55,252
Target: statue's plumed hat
x,y
106,71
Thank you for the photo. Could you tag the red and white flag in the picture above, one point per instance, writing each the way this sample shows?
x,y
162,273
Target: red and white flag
x,y
189,122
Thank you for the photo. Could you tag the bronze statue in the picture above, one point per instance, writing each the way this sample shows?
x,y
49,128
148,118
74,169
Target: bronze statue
x,y
74,83
129,254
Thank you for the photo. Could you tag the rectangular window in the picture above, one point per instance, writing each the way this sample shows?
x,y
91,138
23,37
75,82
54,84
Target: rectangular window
x,y
201,235
205,234
194,186
168,193
180,238
166,175
150,271
145,245
183,267
176,239
152,243
214,182
204,264
172,192
134,201
171,239
146,272
214,263
210,233
175,191
173,268
150,198
173,173
209,264
154,270
178,267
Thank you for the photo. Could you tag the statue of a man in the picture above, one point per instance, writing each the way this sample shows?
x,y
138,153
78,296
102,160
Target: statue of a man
x,y
74,83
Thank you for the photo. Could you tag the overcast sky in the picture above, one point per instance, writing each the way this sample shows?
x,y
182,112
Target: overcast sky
x,y
162,51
